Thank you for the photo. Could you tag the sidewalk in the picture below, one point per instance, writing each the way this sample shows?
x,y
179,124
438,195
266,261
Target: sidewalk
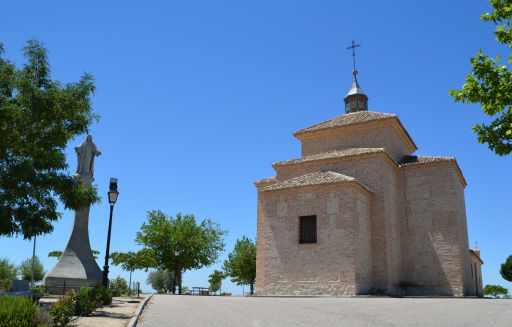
x,y
117,314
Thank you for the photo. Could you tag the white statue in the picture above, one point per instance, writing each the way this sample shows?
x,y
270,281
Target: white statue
x,y
86,153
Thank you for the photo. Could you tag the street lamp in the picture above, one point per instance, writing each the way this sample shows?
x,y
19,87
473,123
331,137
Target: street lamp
x,y
112,198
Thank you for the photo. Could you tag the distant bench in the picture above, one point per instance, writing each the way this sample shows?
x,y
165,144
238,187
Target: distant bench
x,y
200,291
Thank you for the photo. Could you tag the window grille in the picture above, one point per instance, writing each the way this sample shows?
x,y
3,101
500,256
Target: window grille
x,y
307,229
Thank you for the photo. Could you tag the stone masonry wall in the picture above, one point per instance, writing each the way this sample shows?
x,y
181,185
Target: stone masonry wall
x,y
329,266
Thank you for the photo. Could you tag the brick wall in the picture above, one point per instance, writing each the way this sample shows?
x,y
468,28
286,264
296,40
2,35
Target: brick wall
x,y
435,251
377,137
329,266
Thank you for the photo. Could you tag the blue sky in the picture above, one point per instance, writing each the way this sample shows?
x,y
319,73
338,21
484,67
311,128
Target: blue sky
x,y
198,98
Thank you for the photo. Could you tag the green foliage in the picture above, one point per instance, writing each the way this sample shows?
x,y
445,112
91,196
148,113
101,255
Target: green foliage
x,y
95,253
17,311
5,285
215,280
489,84
106,295
241,263
185,290
38,117
89,299
81,303
506,269
179,244
63,310
161,281
495,290
7,269
86,301
118,286
25,269
8,273
39,289
131,261
55,254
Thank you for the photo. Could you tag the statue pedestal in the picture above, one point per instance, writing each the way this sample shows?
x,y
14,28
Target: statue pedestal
x,y
76,266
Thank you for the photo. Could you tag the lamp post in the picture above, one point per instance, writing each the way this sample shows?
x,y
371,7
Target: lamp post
x,y
112,198
178,271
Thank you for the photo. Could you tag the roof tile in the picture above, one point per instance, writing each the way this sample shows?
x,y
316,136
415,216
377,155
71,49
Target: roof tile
x,y
414,160
347,119
316,178
331,154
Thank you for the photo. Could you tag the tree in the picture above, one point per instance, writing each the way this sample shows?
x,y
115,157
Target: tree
x,y
25,269
118,286
38,116
8,273
495,290
241,263
506,269
489,84
57,254
131,261
215,280
7,269
161,280
179,243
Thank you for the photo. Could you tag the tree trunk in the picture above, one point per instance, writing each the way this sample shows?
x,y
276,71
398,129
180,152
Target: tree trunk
x,y
174,282
130,284
252,288
179,282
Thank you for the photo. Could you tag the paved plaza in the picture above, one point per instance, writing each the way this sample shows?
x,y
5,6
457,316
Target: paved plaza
x,y
173,310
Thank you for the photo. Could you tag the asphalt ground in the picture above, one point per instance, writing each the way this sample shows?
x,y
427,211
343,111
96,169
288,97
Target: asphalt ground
x,y
213,311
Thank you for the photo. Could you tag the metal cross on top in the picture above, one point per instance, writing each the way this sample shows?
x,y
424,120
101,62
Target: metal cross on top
x,y
353,47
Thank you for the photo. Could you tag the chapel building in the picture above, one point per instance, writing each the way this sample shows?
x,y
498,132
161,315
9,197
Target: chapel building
x,y
358,214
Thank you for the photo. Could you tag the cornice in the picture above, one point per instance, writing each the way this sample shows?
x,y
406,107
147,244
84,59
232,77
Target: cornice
x,y
451,162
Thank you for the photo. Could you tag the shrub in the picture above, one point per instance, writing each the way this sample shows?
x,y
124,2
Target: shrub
x,y
105,295
43,319
86,301
17,311
62,311
5,285
39,289
118,286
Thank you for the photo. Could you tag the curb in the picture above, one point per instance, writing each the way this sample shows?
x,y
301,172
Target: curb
x,y
138,312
